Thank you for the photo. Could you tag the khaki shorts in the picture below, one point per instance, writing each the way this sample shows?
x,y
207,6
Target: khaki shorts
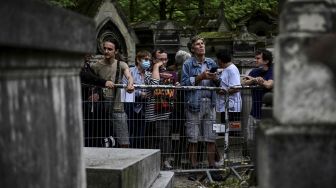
x,y
199,124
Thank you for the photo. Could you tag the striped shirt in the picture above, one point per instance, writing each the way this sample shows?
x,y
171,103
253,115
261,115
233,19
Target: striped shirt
x,y
152,114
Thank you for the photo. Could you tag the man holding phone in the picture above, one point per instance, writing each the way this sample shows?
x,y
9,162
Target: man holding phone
x,y
200,104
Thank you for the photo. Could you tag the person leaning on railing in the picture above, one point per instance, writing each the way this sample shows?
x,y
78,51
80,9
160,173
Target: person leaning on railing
x,y
136,110
261,76
160,104
112,68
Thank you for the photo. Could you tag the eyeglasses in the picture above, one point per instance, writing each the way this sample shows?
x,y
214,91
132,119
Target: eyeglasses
x,y
109,49
163,59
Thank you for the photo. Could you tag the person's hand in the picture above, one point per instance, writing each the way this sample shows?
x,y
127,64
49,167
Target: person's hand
x,y
259,80
143,94
249,80
207,75
246,77
109,84
130,88
165,75
221,92
157,63
94,97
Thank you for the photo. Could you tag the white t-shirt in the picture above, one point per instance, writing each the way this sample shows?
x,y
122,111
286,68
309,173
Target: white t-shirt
x,y
229,77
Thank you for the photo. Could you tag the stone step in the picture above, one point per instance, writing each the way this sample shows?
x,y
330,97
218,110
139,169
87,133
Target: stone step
x,y
122,168
164,180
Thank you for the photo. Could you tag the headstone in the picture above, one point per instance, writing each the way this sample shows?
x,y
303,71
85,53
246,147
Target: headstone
x,y
304,93
298,148
42,48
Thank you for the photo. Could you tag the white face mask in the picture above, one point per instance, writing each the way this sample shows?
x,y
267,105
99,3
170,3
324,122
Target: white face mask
x,y
145,64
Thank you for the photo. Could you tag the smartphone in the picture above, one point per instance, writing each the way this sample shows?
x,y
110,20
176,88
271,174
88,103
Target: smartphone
x,y
213,69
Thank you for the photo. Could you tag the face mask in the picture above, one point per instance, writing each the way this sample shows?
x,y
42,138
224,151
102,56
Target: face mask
x,y
145,64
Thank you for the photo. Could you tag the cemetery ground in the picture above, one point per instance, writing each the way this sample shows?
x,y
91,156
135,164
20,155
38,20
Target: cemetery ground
x,y
240,166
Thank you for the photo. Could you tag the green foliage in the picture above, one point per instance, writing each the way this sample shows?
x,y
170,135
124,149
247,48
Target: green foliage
x,y
64,3
187,10
184,11
237,9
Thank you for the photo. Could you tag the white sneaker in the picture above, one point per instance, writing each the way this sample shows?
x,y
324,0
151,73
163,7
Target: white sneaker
x,y
219,163
167,165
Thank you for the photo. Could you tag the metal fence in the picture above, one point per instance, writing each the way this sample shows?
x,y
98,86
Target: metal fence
x,y
168,132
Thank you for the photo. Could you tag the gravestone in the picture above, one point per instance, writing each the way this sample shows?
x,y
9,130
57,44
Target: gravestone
x,y
298,147
41,138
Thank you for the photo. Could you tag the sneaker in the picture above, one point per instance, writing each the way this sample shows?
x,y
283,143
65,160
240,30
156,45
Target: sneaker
x,y
216,176
167,165
219,163
192,177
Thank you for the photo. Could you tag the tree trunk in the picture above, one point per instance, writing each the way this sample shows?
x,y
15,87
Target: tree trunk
x,y
201,7
163,10
132,10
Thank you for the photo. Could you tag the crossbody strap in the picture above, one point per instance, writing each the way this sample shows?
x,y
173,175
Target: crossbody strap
x,y
116,80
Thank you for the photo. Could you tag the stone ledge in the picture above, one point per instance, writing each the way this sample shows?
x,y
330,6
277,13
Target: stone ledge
x,y
164,180
296,156
36,25
124,168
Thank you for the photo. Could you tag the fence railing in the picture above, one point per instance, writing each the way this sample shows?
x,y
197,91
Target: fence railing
x,y
157,120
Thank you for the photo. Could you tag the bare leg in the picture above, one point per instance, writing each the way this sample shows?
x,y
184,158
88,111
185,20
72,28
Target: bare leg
x,y
217,154
192,153
211,147
124,145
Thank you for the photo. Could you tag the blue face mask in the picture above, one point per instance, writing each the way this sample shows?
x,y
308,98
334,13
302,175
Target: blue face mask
x,y
145,64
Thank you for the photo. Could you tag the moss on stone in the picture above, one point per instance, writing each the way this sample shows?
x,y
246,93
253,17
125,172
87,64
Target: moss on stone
x,y
218,35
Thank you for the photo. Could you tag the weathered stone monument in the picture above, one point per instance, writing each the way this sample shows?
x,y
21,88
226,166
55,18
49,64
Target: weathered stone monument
x,y
298,149
111,24
40,117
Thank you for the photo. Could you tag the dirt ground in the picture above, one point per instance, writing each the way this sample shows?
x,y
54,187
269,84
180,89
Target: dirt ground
x,y
230,180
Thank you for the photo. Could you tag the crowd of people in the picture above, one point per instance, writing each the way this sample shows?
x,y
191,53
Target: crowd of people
x,y
157,110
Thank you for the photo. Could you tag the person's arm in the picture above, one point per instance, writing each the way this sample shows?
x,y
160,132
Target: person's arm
x,y
234,80
130,86
199,78
249,80
156,72
268,84
186,81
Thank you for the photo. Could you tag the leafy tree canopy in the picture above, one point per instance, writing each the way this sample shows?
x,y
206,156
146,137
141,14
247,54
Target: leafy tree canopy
x,y
184,10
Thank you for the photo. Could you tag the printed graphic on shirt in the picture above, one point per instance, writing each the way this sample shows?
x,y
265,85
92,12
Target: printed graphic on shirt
x,y
165,97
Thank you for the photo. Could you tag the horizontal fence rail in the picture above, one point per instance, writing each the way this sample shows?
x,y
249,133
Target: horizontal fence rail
x,y
142,127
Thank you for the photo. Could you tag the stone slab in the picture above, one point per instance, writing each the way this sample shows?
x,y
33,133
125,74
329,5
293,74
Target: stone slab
x,y
164,180
34,24
296,157
124,168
